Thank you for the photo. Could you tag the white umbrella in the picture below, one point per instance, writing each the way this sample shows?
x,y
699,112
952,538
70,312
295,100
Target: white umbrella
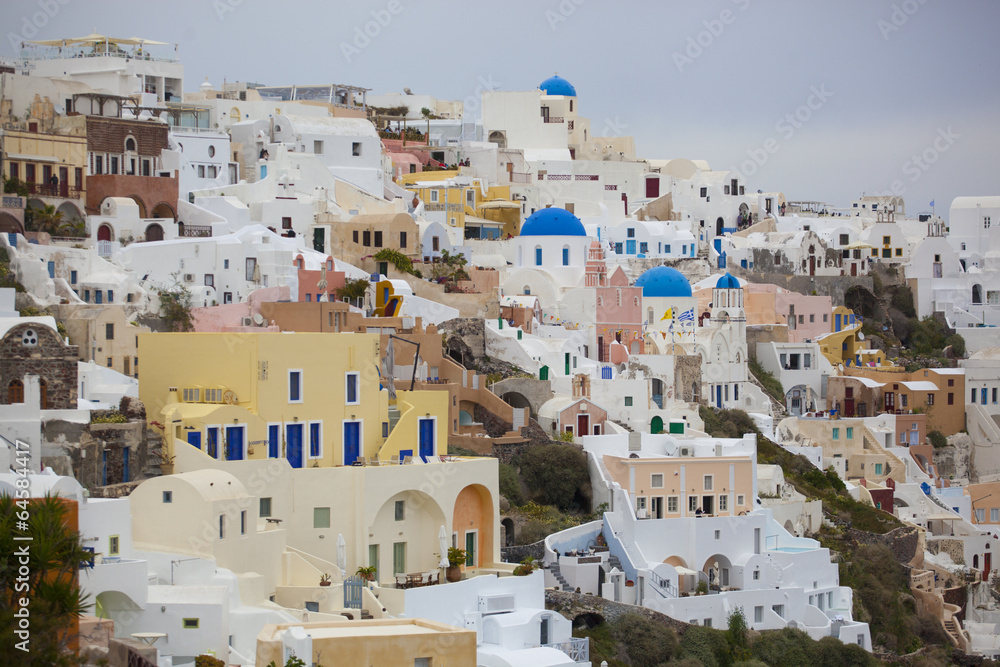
x,y
341,553
443,539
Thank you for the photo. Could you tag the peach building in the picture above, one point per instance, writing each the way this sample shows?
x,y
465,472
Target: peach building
x,y
806,316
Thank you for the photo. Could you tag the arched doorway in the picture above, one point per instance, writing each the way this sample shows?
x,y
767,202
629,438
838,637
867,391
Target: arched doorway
x,y
472,524
164,210
15,392
516,400
656,424
719,224
499,138
141,204
403,537
105,232
509,532
154,232
717,568
10,225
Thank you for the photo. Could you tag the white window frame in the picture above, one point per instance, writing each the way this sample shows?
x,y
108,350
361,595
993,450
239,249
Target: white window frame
x,y
640,503
741,500
357,387
723,502
361,436
434,196
308,443
652,480
301,397
708,482
676,502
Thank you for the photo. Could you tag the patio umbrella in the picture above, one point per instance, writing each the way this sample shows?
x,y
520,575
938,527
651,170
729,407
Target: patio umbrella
x,y
443,540
341,553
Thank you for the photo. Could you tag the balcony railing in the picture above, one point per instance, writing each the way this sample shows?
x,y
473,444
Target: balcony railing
x,y
553,119
516,177
197,231
577,648
61,190
662,586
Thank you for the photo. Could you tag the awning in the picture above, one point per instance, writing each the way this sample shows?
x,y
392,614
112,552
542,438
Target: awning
x,y
94,38
857,245
943,517
473,221
500,204
31,158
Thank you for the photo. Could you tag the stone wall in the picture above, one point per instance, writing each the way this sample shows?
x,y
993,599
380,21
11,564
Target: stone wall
x,y
518,553
35,349
903,542
687,376
764,333
833,286
954,548
572,605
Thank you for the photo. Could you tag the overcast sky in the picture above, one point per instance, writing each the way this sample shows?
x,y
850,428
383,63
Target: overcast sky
x,y
820,100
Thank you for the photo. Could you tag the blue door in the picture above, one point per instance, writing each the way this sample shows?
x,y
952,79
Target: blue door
x,y
630,247
52,269
718,395
426,438
352,442
194,439
126,477
212,442
293,445
836,322
722,261
98,296
983,402
273,440
234,443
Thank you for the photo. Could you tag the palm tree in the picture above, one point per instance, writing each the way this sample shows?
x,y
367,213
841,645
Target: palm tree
x,y
54,556
47,219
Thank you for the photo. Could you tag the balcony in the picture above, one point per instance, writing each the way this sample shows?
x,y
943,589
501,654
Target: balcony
x,y
62,190
577,648
553,119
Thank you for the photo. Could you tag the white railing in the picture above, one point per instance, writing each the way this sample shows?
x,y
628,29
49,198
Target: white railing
x,y
105,248
578,648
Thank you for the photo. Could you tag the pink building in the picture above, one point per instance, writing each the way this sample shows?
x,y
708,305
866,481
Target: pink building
x,y
618,314
239,317
807,316
309,281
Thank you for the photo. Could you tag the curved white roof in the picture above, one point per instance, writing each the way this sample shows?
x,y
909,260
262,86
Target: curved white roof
x,y
972,202
345,127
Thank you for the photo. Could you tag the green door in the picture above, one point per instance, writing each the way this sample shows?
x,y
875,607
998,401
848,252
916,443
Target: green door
x,y
656,425
470,549
399,557
373,558
319,236
567,364
543,373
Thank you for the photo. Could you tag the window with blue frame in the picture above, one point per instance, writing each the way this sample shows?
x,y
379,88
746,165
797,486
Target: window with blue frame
x,y
618,248
111,296
52,269
315,440
309,297
98,296
72,277
643,247
565,256
273,442
538,256
351,389
836,434
630,232
668,249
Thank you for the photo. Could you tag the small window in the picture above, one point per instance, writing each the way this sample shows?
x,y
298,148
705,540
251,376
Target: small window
x,y
724,503
109,331
692,503
850,433
672,505
628,401
434,196
707,482
756,575
190,623
758,614
400,510
317,147
886,240
321,517
243,522
286,223
356,149
222,526
351,389
168,496
295,386
740,500
836,433
265,508
656,481
209,280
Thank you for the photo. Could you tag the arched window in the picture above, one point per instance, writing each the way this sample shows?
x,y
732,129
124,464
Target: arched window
x,y
130,145
211,151
527,290
15,392
977,294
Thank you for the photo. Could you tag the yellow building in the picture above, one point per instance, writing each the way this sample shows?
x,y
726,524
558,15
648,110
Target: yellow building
x,y
400,642
469,204
311,398
51,165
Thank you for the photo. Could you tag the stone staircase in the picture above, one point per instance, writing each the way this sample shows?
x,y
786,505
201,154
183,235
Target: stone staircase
x,y
563,584
614,561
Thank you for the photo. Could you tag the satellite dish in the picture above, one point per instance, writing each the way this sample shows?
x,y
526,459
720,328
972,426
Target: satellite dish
x,y
861,336
229,397
258,319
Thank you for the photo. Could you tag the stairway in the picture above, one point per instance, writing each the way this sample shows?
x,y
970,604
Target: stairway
x,y
563,584
613,561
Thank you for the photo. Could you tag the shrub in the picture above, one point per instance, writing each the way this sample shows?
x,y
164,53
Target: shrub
x,y
771,384
645,642
787,646
726,423
705,644
937,439
396,258
737,635
556,475
902,300
957,344
510,484
354,288
175,308
208,661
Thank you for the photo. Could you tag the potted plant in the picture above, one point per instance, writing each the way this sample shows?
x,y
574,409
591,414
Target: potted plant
x,y
456,558
702,588
324,580
366,573
526,567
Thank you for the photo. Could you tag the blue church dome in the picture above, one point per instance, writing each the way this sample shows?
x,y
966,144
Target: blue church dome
x,y
727,281
556,85
552,222
663,281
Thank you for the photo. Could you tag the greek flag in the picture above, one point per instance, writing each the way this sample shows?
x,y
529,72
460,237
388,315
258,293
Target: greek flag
x,y
687,315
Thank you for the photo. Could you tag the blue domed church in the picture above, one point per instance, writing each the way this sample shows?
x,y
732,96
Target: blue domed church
x,y
550,255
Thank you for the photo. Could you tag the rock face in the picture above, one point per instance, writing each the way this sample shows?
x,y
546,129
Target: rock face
x,y
956,459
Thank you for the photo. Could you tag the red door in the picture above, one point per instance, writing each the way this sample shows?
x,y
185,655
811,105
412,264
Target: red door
x,y
104,233
812,266
848,407
583,424
987,565
890,402
652,188
600,348
854,269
